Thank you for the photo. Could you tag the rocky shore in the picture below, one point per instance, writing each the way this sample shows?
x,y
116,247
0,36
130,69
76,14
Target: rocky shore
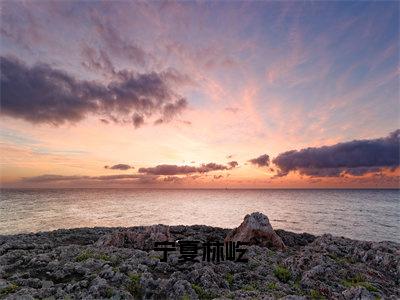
x,y
121,263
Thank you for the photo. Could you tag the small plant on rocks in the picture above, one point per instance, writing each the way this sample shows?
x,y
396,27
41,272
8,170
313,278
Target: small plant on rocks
x,y
201,292
229,278
282,274
316,295
134,285
271,286
9,289
359,280
250,287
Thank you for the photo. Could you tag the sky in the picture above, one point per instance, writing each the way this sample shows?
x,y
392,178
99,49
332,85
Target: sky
x,y
200,94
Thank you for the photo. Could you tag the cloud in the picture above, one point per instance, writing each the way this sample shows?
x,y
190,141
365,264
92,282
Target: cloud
x,y
41,94
233,164
19,25
261,161
181,170
170,110
356,158
58,178
97,60
116,177
173,179
168,170
116,44
137,120
119,167
52,177
204,168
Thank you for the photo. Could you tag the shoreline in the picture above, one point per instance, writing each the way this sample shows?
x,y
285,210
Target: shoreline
x,y
96,263
116,228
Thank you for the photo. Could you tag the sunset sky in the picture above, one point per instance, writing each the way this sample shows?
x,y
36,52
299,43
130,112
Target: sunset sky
x,y
200,94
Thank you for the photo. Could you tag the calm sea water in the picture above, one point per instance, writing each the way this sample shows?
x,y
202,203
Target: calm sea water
x,y
359,214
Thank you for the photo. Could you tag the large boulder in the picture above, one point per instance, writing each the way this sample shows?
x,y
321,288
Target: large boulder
x,y
256,230
139,238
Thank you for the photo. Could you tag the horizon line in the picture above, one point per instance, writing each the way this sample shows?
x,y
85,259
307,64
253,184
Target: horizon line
x,y
161,188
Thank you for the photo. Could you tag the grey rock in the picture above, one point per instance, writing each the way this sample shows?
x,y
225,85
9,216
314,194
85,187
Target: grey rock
x,y
358,293
98,287
326,264
182,288
47,284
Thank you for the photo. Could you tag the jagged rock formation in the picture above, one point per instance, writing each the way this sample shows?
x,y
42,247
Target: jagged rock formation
x,y
72,263
256,230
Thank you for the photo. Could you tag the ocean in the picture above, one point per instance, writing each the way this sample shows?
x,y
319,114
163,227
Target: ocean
x,y
358,214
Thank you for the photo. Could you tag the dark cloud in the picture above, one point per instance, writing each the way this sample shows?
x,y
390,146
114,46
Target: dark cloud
x,y
218,177
119,167
356,158
170,110
261,161
41,94
181,170
168,170
233,164
137,120
204,168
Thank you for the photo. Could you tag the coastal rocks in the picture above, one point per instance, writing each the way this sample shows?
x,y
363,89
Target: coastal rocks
x,y
98,287
182,289
141,238
256,230
208,279
356,293
291,239
319,267
198,232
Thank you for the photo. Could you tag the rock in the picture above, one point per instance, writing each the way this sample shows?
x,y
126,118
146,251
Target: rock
x,y
47,284
356,293
182,289
291,239
322,266
140,238
98,287
256,230
207,278
107,272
